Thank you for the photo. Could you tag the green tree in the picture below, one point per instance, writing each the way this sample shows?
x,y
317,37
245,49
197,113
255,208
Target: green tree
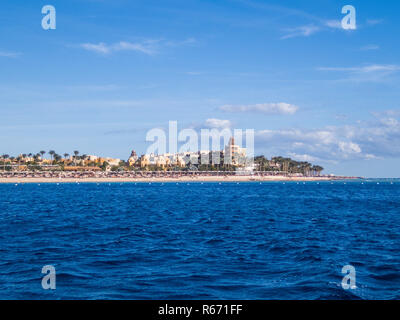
x,y
318,169
76,152
104,166
5,157
52,153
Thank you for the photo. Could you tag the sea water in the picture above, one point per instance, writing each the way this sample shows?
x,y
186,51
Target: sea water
x,y
269,240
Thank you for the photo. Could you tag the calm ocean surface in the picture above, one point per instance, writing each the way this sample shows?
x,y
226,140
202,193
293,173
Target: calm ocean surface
x,y
272,240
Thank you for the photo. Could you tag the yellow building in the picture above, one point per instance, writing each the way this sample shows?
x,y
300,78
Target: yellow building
x,y
144,161
233,153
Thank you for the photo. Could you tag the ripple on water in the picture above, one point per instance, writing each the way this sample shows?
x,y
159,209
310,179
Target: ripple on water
x,y
210,240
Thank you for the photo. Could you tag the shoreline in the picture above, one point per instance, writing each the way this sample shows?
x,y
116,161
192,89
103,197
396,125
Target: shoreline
x,y
178,179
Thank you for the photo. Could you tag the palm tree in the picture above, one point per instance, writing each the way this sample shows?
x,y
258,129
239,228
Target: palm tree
x,y
84,157
19,158
5,156
42,153
260,161
318,169
307,168
52,153
76,152
12,160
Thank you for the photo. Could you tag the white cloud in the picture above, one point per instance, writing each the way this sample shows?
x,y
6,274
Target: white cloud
x,y
378,68
349,147
302,31
370,47
9,54
334,24
373,72
378,138
316,24
266,108
391,113
149,47
217,123
365,69
140,47
99,48
146,47
308,30
302,157
390,122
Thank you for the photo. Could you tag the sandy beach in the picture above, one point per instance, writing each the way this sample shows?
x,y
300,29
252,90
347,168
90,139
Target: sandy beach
x,y
164,179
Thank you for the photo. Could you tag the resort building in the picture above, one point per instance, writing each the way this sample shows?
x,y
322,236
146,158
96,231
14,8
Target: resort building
x,y
133,158
233,153
92,158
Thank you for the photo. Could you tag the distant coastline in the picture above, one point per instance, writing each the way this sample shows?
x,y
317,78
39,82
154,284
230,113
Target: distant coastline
x,y
166,178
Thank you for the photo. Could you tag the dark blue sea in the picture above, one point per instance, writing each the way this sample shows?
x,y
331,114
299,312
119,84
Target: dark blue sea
x,y
269,240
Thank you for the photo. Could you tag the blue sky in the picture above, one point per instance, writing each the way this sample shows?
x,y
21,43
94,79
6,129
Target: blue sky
x,y
114,69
